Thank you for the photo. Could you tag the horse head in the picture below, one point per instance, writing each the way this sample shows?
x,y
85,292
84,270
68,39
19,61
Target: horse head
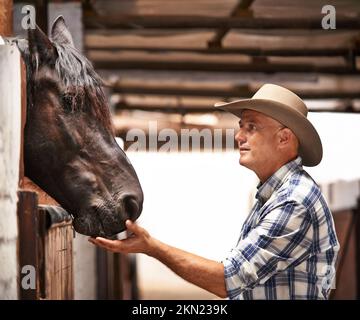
x,y
69,146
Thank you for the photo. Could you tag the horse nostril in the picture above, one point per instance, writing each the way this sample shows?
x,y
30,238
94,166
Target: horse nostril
x,y
131,207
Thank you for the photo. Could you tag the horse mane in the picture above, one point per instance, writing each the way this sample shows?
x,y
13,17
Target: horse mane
x,y
81,86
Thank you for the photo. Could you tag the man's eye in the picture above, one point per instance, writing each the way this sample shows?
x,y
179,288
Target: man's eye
x,y
252,127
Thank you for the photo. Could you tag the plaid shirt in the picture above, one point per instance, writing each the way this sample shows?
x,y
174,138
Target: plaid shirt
x,y
288,246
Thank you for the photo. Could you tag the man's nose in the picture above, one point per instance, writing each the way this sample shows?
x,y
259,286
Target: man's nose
x,y
240,137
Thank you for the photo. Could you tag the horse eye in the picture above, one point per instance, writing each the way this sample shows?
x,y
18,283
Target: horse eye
x,y
66,99
67,102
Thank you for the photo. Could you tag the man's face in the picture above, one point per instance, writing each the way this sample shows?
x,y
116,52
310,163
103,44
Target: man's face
x,y
257,140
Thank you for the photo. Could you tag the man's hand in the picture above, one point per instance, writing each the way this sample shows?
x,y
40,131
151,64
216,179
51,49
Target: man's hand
x,y
139,242
205,273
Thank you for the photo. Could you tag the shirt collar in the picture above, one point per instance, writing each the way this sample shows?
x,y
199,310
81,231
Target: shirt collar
x,y
266,189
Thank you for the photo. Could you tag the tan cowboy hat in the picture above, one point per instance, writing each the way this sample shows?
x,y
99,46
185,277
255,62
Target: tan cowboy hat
x,y
286,107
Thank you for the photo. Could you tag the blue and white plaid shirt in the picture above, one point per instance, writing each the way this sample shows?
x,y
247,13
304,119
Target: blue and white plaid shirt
x,y
288,246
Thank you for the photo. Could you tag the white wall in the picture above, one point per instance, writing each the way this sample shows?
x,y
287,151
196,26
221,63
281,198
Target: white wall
x,y
10,122
195,201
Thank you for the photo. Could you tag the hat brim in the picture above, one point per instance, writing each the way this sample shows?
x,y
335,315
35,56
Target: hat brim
x,y
310,149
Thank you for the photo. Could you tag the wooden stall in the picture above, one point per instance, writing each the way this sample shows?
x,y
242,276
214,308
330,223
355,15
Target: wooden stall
x,y
45,242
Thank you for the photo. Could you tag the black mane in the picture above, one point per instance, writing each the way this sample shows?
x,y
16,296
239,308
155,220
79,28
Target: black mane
x,y
81,86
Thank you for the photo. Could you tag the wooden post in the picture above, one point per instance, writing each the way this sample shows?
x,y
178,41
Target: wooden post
x,y
28,241
6,22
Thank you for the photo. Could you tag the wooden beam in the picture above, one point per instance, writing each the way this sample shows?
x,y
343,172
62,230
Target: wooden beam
x,y
185,109
139,64
242,92
240,10
283,52
204,22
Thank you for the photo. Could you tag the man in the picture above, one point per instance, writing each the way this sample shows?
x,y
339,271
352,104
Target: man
x,y
287,246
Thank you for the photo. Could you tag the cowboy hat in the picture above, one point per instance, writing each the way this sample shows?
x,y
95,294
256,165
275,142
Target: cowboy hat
x,y
286,107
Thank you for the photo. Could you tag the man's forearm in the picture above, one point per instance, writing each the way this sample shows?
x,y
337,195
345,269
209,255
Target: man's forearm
x,y
205,273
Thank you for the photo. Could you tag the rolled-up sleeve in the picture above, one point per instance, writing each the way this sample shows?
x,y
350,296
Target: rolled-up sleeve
x,y
281,238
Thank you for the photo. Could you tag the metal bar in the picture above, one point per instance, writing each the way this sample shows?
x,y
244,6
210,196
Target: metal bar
x,y
205,22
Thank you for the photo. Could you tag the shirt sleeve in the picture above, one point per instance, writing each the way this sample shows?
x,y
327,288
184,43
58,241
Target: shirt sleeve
x,y
281,238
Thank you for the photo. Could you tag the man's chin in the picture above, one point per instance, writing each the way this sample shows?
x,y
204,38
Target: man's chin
x,y
243,161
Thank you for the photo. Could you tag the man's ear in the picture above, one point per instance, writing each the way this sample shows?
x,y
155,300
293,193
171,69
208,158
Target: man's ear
x,y
40,44
285,136
60,33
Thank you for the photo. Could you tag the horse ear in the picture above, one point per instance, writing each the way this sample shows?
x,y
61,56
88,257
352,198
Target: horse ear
x,y
60,33
40,43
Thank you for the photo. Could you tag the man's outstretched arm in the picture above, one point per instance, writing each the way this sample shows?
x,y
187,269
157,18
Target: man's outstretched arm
x,y
204,273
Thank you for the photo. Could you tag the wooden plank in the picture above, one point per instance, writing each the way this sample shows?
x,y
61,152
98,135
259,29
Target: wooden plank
x,y
144,7
219,8
28,240
57,267
43,197
227,92
240,10
138,64
286,52
190,109
123,21
239,39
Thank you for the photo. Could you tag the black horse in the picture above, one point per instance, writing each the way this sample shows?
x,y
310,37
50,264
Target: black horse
x,y
70,149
